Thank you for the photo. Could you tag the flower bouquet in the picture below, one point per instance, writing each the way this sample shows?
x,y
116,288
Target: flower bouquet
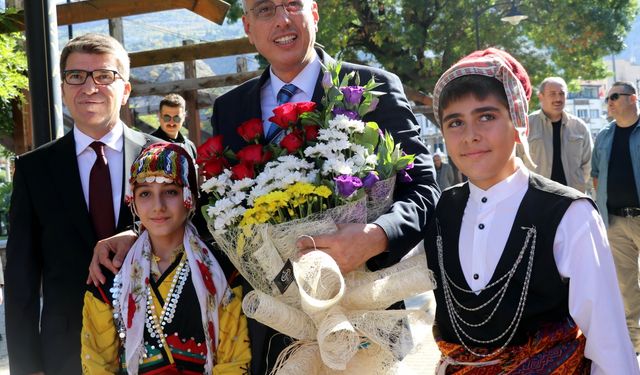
x,y
329,168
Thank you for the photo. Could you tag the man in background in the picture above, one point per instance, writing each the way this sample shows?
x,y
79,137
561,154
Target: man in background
x,y
616,178
559,142
172,113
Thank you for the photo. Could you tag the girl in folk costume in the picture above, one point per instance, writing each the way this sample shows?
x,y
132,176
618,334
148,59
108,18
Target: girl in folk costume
x,y
170,309
526,281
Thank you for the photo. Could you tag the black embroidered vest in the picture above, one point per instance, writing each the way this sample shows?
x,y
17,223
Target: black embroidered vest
x,y
543,206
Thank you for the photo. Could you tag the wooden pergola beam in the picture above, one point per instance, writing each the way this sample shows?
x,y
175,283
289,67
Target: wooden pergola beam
x,y
191,52
93,10
192,84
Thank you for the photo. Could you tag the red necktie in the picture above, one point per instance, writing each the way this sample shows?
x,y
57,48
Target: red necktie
x,y
100,195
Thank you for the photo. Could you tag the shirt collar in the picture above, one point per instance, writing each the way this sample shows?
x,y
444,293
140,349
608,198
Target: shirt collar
x,y
502,190
112,139
305,81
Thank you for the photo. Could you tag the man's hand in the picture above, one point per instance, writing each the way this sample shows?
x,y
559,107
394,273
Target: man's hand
x,y
351,246
119,245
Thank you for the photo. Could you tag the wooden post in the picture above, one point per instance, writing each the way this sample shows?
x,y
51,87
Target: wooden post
x,y
191,97
116,30
22,136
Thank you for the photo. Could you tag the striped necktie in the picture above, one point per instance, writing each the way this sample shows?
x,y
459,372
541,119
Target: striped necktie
x,y
284,96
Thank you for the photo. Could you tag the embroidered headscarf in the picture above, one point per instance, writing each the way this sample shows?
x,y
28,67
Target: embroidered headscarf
x,y
166,163
500,65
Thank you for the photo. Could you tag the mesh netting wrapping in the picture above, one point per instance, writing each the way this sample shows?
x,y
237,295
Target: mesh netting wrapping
x,y
259,252
381,289
380,198
337,339
278,315
340,322
320,283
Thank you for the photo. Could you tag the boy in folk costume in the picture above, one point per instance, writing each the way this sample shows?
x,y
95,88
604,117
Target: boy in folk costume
x,y
170,309
526,281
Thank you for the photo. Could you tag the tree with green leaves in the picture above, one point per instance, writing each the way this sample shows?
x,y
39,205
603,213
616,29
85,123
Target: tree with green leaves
x,y
420,39
13,79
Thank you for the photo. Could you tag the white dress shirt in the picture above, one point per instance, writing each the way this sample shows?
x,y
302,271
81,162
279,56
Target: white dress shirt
x,y
305,81
115,161
582,255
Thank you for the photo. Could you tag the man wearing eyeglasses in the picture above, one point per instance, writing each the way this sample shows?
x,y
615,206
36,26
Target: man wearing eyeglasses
x,y
172,114
616,178
284,32
559,143
67,195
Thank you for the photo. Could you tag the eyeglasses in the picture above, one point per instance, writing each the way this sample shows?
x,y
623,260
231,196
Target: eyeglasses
x,y
615,96
99,76
267,9
168,118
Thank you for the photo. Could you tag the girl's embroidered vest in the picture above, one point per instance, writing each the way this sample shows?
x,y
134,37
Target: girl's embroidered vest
x,y
543,206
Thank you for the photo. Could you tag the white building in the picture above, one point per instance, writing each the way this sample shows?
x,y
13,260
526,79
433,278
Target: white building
x,y
588,104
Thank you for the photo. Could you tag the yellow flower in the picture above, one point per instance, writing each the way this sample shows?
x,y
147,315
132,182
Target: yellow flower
x,y
322,191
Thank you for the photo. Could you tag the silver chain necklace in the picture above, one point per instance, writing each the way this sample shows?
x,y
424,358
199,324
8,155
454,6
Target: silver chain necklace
x,y
451,302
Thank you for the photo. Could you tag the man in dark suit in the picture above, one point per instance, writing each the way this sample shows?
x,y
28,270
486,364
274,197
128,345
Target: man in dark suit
x,y
67,195
284,33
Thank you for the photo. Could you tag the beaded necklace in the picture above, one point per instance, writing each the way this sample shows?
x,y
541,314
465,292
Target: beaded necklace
x,y
452,304
155,326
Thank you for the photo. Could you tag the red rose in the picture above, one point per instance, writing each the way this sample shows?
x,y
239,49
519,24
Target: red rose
x,y
255,154
206,277
311,132
214,166
292,142
212,147
303,107
284,115
131,309
251,130
244,169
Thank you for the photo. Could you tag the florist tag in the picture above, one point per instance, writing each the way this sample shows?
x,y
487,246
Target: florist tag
x,y
284,278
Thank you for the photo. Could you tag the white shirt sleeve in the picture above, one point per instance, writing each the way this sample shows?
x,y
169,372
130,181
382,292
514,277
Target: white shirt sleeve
x,y
582,254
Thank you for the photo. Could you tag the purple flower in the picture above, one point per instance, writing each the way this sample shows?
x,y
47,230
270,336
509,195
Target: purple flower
x,y
404,176
352,94
351,115
347,184
370,180
326,80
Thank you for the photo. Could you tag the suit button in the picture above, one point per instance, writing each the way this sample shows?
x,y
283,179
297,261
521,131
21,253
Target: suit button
x,y
481,226
476,276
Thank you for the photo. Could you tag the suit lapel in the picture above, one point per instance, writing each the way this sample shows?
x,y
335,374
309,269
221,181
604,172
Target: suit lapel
x,y
66,181
133,144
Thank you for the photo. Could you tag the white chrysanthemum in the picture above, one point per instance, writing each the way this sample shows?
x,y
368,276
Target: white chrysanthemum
x,y
342,122
243,184
337,167
220,207
332,135
220,184
238,197
228,218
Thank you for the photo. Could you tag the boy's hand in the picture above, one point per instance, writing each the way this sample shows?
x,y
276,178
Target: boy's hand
x,y
351,246
119,245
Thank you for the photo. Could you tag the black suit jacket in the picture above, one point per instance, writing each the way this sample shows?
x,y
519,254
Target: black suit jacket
x,y
414,202
51,244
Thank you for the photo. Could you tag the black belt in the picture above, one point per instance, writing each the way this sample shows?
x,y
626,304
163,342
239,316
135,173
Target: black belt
x,y
626,211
